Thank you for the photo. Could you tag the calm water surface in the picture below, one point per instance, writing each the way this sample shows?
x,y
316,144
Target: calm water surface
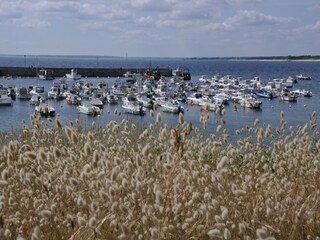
x,y
295,113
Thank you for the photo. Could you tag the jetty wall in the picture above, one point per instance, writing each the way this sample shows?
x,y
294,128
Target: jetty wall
x,y
85,72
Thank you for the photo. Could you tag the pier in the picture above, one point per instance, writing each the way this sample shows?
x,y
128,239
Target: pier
x,y
85,72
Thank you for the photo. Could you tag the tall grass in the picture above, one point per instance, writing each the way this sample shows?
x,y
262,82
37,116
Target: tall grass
x,y
123,181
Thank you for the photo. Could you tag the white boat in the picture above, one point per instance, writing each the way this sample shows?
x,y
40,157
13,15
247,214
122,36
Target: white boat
x,y
221,98
161,89
88,109
36,100
132,105
96,102
134,109
172,107
303,77
73,99
45,110
249,101
23,94
209,104
302,93
112,98
39,91
73,75
45,74
146,102
54,93
5,100
194,99
204,79
288,96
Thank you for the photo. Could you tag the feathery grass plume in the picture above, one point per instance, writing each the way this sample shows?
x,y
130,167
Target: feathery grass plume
x,y
7,233
81,221
92,222
207,107
73,181
124,229
261,233
36,234
96,156
214,233
56,152
219,127
226,234
31,155
151,113
181,118
256,122
158,120
45,213
68,132
87,149
159,197
3,183
5,175
58,122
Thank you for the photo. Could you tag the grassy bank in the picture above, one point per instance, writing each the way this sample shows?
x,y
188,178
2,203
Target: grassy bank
x,y
124,181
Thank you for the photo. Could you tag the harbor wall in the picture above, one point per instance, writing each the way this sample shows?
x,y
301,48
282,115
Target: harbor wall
x,y
85,72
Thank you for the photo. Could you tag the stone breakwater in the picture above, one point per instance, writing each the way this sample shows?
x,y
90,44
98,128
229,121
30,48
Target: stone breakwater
x,y
85,72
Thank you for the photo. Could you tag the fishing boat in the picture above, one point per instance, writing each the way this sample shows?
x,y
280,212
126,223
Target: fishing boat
x,y
54,93
302,92
303,77
45,110
249,101
23,94
73,99
112,98
264,94
132,105
73,75
96,102
288,96
5,100
209,104
172,107
45,74
88,109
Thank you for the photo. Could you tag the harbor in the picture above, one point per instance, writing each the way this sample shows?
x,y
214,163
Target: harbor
x,y
207,77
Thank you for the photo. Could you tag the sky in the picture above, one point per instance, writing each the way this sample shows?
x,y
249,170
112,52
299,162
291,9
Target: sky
x,y
160,28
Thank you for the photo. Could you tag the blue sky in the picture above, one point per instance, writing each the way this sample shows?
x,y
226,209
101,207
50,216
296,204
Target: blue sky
x,y
155,28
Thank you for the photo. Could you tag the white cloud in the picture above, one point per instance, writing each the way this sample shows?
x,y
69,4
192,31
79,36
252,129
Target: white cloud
x,y
247,18
315,26
145,21
33,23
150,5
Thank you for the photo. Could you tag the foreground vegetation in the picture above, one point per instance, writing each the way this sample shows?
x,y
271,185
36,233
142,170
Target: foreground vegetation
x,y
128,182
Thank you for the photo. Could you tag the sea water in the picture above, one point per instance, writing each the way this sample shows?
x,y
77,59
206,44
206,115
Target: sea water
x,y
296,114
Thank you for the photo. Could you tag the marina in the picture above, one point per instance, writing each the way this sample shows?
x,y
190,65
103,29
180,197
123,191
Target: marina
x,y
243,94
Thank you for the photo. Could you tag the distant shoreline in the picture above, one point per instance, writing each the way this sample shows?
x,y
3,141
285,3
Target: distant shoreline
x,y
277,60
303,58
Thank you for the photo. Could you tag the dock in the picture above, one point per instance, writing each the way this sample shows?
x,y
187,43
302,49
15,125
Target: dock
x,y
85,72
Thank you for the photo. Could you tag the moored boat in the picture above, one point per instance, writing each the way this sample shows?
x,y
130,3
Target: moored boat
x,y
45,110
5,100
73,75
249,101
88,109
